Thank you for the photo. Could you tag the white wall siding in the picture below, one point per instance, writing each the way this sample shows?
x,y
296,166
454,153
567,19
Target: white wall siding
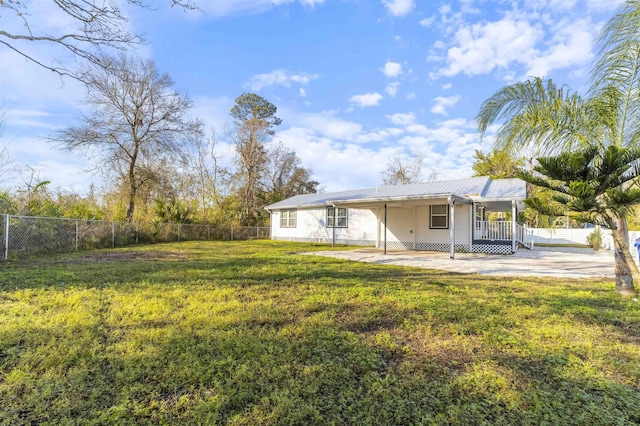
x,y
311,226
399,225
404,227
442,236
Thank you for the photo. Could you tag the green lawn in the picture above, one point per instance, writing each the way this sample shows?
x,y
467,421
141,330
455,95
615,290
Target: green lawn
x,y
249,333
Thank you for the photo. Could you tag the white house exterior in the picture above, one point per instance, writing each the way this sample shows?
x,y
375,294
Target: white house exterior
x,y
438,216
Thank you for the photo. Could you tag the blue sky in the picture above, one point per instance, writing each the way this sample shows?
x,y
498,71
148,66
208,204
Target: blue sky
x,y
356,82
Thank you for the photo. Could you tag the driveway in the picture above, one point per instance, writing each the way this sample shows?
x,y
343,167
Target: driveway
x,y
543,262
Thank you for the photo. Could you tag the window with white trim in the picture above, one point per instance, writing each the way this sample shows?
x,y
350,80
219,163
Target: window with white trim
x,y
288,218
338,216
439,216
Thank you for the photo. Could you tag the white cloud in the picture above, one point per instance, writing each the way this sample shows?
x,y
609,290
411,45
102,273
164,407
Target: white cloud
x,y
366,99
402,119
352,165
324,124
303,93
447,86
399,7
441,104
427,22
392,69
525,41
482,47
392,88
411,95
570,45
279,77
379,135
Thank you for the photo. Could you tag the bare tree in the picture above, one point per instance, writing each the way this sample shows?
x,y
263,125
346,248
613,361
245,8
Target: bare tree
x,y
97,24
8,166
138,119
254,119
207,174
402,171
284,176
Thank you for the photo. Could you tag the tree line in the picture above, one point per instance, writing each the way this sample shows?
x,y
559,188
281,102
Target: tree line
x,y
156,159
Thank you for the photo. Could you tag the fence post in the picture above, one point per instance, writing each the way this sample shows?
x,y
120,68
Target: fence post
x,y
113,234
257,233
232,233
6,237
76,235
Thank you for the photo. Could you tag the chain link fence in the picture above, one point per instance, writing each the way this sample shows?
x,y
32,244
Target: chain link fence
x,y
24,236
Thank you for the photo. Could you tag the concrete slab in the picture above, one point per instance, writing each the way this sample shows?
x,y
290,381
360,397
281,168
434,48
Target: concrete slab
x,y
552,262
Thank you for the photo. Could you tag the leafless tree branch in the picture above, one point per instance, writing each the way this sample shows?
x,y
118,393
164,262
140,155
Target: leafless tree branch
x,y
98,25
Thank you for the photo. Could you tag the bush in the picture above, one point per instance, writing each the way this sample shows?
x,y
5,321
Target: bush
x,y
595,239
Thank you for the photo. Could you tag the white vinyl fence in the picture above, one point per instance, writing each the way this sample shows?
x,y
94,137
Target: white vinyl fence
x,y
570,236
23,236
577,236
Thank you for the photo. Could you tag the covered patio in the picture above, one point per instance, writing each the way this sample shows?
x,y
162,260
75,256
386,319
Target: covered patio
x,y
551,262
477,234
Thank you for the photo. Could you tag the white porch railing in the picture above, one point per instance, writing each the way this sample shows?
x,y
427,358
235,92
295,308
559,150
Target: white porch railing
x,y
501,231
492,230
525,236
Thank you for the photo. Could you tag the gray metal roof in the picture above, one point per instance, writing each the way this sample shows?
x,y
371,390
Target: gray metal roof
x,y
476,189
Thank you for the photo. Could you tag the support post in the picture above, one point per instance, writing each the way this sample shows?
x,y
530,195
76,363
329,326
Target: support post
x,y
385,229
452,227
113,234
514,213
76,235
6,237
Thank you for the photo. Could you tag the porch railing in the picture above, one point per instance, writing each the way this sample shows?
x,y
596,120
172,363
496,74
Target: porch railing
x,y
493,230
525,236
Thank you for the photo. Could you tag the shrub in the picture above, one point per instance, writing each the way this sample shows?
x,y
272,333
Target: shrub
x,y
594,239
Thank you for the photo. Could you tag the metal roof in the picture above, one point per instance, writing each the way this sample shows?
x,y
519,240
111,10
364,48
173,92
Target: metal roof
x,y
472,189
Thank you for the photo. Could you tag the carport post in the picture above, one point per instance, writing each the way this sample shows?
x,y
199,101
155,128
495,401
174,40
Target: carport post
x,y
385,229
452,228
514,213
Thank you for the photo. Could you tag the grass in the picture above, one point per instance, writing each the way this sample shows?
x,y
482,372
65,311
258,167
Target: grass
x,y
571,245
250,333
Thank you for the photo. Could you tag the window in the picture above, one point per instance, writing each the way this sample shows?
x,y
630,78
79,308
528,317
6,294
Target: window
x,y
439,216
336,216
287,218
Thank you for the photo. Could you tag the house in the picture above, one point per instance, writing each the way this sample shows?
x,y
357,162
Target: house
x,y
444,216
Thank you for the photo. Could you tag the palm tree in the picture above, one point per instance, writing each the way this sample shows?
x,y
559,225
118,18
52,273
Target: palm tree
x,y
548,119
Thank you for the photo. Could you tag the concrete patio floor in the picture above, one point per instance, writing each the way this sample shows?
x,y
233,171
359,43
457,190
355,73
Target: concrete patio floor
x,y
544,262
